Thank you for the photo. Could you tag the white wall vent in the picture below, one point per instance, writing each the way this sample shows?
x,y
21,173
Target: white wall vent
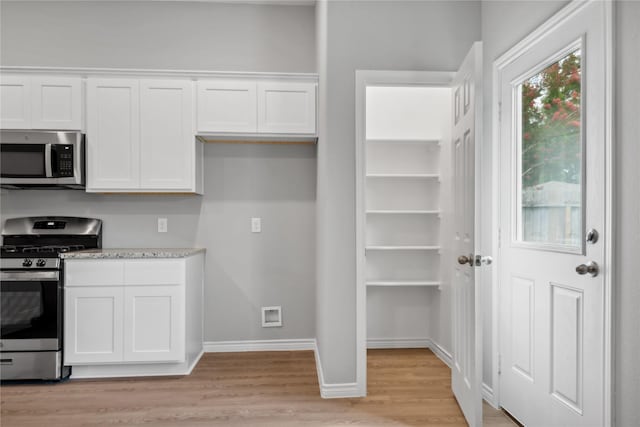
x,y
271,317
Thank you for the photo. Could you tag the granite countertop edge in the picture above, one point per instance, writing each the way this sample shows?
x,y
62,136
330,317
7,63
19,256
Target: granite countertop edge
x,y
132,253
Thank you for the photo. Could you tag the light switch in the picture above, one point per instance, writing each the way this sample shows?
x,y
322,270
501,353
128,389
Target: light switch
x,y
256,225
162,225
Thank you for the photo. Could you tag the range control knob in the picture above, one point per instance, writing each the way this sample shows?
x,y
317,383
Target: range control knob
x,y
41,262
27,262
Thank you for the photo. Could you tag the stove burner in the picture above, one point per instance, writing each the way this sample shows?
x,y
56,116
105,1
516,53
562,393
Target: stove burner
x,y
50,249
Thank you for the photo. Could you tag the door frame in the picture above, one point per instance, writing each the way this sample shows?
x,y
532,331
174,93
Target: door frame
x,y
609,275
366,78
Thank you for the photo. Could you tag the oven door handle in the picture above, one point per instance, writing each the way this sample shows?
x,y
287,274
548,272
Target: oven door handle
x,y
23,276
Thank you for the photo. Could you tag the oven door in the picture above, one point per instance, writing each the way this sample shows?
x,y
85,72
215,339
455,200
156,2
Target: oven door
x,y
30,310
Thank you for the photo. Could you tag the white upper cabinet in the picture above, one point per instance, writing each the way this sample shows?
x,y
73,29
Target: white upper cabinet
x,y
140,136
56,103
113,134
227,106
255,108
15,102
167,144
40,102
286,107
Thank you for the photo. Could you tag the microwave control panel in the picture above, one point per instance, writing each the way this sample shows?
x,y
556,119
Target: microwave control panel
x,y
65,160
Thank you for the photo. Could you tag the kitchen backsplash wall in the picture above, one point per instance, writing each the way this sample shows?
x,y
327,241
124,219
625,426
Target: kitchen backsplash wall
x,y
244,271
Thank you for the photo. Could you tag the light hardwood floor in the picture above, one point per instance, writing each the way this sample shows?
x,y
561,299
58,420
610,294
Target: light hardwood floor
x,y
406,387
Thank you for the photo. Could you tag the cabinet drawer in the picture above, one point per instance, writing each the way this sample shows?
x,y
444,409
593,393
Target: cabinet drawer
x,y
94,273
154,272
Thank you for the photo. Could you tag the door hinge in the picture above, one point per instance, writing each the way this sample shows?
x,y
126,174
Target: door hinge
x,y
499,237
499,112
499,364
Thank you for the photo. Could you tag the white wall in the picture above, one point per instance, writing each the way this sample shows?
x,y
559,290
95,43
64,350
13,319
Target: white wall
x,y
160,35
244,271
374,35
503,25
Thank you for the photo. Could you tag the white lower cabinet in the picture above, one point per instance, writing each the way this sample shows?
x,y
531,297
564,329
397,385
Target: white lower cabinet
x,y
93,325
154,320
121,321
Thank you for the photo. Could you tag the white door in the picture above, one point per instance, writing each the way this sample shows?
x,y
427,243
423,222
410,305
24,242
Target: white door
x,y
285,107
93,325
113,134
56,103
167,140
467,317
15,102
154,323
552,192
227,106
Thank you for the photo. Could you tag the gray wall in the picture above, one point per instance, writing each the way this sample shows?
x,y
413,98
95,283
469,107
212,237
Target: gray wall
x,y
382,35
159,35
503,25
244,271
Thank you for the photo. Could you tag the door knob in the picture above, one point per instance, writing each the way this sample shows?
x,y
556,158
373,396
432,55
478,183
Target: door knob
x,y
483,260
591,267
463,259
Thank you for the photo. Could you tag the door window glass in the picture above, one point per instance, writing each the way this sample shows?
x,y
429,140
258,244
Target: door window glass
x,y
551,155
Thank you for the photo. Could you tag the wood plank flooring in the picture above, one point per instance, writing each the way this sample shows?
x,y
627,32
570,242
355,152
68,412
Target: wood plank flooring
x,y
406,387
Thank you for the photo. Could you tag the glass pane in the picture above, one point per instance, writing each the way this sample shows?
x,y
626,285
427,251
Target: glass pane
x,y
551,155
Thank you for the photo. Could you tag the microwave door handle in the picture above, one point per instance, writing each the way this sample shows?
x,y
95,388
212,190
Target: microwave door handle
x,y
47,161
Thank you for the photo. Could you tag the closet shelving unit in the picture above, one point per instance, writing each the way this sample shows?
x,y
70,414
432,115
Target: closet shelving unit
x,y
402,212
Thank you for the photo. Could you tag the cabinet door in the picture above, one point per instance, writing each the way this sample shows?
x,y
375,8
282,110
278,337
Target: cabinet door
x,y
93,326
167,140
287,107
154,324
113,135
227,106
15,102
56,103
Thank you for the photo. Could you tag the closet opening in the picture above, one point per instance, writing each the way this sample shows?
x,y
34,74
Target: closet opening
x,y
403,220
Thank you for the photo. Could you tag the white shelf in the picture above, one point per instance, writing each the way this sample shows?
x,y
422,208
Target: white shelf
x,y
404,175
403,212
403,283
403,248
404,141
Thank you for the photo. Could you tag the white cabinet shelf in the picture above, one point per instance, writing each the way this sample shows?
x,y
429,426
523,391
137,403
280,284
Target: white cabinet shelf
x,y
403,248
402,201
404,175
403,283
403,212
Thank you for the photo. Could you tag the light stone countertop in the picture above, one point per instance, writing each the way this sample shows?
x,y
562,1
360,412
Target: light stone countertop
x,y
132,253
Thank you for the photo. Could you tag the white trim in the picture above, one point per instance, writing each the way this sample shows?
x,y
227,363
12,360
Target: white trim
x,y
134,370
441,353
363,79
487,395
499,64
336,390
259,345
381,343
147,72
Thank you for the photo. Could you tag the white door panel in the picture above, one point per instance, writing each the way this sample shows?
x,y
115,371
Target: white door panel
x,y
552,190
56,103
467,321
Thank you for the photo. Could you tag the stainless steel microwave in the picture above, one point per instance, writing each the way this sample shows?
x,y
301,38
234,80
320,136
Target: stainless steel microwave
x,y
36,159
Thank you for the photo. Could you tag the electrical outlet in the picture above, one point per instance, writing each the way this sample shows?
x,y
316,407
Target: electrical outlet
x,y
256,225
162,225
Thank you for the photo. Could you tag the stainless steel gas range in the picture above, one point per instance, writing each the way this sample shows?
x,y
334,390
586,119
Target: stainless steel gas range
x,y
31,294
